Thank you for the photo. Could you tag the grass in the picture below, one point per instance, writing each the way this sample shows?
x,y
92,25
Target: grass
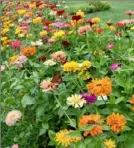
x,y
116,13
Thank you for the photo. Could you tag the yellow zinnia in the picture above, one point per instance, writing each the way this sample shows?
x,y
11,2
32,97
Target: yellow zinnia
x,y
43,33
96,20
21,12
81,13
71,66
109,144
63,139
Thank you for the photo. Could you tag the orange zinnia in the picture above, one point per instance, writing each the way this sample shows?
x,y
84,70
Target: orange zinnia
x,y
116,121
91,119
100,87
28,51
132,100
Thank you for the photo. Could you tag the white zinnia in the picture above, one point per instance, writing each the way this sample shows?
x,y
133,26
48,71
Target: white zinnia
x,y
102,98
76,101
49,63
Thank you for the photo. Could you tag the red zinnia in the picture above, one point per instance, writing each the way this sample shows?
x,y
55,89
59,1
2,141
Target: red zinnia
x,y
65,43
42,58
47,22
98,30
52,6
39,3
120,24
76,17
60,12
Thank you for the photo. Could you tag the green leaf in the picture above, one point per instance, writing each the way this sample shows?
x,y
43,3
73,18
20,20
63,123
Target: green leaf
x,y
87,127
51,134
43,129
40,110
75,134
117,101
106,128
27,100
73,123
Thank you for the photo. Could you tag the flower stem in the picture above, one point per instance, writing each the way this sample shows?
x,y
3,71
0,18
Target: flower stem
x,y
62,108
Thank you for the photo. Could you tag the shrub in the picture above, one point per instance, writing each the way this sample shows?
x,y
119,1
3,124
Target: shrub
x,y
92,6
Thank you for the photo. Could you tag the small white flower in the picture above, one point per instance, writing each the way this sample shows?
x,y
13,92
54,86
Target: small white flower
x,y
75,101
49,63
102,98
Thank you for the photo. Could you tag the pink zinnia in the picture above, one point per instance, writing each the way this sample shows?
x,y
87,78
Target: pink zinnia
x,y
84,29
110,46
129,12
16,44
114,66
47,85
15,146
59,56
12,117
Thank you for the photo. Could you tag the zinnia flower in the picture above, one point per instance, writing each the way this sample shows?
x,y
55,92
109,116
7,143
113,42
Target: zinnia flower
x,y
65,43
71,66
76,17
47,85
84,29
115,66
88,97
13,60
76,101
59,56
12,117
28,51
100,87
63,139
2,67
132,100
129,12
49,63
116,121
81,13
92,119
109,144
42,58
60,12
110,46
96,20
21,60
84,65
15,146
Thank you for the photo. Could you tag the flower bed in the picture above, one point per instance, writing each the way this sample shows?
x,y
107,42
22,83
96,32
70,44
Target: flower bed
x,y
67,81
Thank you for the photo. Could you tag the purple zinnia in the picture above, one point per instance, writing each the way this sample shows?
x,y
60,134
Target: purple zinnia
x,y
59,24
114,66
88,97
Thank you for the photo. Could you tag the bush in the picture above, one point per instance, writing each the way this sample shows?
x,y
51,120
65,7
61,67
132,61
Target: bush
x,y
92,6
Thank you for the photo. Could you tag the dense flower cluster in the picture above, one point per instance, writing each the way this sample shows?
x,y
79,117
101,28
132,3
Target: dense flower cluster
x,y
65,71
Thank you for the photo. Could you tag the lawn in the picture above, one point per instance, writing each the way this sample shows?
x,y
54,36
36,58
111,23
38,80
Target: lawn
x,y
116,13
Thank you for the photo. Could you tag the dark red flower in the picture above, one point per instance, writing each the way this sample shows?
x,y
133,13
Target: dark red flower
x,y
109,23
47,22
60,12
65,43
76,17
57,78
42,58
39,3
52,6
